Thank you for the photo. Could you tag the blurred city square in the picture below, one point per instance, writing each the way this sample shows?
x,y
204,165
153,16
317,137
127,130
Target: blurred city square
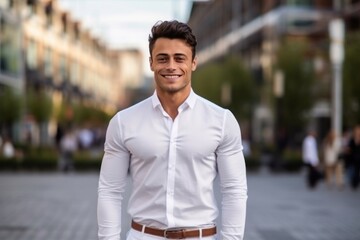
x,y
283,67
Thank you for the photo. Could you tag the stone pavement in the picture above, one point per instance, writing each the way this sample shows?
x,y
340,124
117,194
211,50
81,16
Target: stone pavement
x,y
54,206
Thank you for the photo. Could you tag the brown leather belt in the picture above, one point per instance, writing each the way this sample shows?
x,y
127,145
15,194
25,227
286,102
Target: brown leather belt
x,y
175,233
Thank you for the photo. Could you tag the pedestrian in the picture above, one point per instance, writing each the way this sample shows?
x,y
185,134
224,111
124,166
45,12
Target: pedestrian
x,y
68,146
8,149
311,158
173,145
333,165
354,158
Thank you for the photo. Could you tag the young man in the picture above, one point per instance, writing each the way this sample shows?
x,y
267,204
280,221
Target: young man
x,y
173,145
310,157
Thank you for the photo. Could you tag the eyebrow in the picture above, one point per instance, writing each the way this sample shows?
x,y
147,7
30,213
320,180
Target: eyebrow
x,y
176,55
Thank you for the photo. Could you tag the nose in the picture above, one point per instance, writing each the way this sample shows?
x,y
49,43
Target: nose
x,y
171,64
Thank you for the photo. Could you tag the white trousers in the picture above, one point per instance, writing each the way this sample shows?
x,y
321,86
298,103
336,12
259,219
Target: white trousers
x,y
136,235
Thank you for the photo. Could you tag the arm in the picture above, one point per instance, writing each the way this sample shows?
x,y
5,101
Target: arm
x,y
232,172
112,182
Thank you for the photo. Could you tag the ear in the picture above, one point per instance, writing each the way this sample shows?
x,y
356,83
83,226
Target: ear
x,y
151,63
194,64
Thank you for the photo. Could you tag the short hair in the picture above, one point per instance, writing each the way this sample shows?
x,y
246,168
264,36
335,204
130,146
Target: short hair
x,y
172,30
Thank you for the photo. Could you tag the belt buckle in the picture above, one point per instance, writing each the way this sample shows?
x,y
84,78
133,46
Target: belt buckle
x,y
181,232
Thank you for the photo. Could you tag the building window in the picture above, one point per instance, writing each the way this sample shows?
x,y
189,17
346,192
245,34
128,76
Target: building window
x,y
74,73
48,63
31,55
63,69
10,48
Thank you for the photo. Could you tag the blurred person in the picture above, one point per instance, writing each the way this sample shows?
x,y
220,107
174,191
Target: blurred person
x,y
173,145
354,158
68,146
333,165
246,144
59,135
86,138
311,158
8,149
344,151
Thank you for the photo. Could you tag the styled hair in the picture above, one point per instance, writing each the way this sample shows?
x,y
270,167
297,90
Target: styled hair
x,y
172,30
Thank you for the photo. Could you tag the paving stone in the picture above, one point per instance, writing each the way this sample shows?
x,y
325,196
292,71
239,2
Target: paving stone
x,y
54,206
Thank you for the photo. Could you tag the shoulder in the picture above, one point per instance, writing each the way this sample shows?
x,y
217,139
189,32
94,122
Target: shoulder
x,y
216,114
131,114
211,110
135,111
205,103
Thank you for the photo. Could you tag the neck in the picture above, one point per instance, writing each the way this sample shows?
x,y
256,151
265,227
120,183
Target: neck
x,y
171,102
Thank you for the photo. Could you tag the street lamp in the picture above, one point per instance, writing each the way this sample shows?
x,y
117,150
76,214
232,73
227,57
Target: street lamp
x,y
336,31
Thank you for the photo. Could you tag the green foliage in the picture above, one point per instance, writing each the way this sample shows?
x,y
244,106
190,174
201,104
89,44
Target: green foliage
x,y
10,106
209,80
40,105
253,162
40,158
85,161
292,160
351,80
298,83
82,114
89,114
46,159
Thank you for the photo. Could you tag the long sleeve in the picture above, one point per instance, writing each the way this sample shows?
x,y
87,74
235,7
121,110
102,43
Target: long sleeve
x,y
112,183
232,172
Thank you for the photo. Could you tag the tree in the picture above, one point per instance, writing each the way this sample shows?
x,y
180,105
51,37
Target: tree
x,y
351,80
299,80
40,106
226,79
10,109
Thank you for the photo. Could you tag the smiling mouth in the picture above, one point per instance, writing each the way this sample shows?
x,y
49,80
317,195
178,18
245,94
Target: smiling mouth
x,y
171,76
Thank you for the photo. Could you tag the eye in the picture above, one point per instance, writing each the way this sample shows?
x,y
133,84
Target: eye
x,y
180,59
161,59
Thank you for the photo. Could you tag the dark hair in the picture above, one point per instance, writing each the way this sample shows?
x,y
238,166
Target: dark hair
x,y
172,30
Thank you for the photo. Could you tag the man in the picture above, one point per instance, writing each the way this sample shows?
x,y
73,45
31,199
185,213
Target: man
x,y
173,145
311,158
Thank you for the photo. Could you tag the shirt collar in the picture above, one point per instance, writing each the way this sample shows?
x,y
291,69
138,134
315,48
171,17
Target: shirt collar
x,y
190,100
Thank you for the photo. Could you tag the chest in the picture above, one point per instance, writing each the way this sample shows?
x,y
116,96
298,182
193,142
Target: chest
x,y
186,136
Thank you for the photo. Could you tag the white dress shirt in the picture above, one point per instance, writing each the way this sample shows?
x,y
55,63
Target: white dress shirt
x,y
310,151
172,165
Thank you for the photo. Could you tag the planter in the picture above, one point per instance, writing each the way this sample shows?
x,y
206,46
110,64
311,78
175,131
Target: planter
x,y
9,164
292,165
252,163
292,161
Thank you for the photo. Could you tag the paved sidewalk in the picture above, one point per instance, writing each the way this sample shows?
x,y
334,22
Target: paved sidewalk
x,y
280,207
54,206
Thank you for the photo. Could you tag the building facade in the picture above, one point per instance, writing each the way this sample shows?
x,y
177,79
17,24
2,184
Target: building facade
x,y
43,48
254,30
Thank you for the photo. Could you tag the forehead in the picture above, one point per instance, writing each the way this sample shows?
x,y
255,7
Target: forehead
x,y
171,46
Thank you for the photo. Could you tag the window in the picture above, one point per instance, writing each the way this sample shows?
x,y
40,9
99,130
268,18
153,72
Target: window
x,y
31,55
10,48
48,63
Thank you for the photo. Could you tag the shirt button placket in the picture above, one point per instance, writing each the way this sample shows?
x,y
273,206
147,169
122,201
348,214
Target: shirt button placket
x,y
171,174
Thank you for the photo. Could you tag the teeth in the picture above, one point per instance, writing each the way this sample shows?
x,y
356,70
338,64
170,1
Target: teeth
x,y
171,76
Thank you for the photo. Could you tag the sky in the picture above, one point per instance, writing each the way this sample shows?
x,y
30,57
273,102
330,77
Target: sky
x,y
123,24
